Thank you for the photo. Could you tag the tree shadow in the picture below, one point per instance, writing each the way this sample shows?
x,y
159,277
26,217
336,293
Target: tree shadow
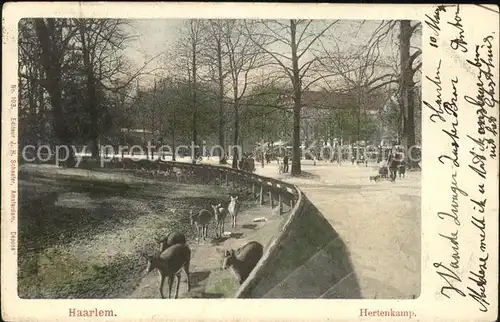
x,y
308,175
197,277
249,226
205,295
218,241
45,219
236,235
312,261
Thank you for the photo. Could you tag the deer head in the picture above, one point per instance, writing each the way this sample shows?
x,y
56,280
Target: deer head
x,y
228,258
150,259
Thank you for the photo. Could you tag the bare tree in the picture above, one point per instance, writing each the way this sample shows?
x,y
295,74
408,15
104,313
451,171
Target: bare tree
x,y
216,60
32,103
299,38
54,36
363,70
409,65
407,84
101,43
188,57
244,56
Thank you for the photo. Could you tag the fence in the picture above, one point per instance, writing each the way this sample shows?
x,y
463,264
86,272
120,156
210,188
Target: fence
x,y
276,192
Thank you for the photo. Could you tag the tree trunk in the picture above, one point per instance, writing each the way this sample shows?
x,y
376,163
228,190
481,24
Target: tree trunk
x,y
358,116
173,137
235,132
92,103
221,102
33,133
41,117
195,132
52,67
407,86
297,89
296,141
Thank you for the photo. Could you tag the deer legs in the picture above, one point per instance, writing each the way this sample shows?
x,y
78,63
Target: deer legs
x,y
161,285
170,283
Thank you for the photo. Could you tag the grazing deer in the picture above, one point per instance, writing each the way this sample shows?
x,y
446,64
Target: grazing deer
x,y
144,165
127,163
155,169
201,220
169,263
180,174
167,172
233,208
171,239
220,217
243,260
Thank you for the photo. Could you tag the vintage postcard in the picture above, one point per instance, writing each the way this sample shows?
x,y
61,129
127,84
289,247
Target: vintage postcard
x,y
249,162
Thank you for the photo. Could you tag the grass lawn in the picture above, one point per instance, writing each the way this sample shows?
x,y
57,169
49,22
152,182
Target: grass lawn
x,y
81,234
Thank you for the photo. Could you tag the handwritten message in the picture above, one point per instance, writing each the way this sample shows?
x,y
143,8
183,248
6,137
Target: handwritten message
x,y
469,154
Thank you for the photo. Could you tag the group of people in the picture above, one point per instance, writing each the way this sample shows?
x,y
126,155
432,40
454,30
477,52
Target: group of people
x,y
395,161
284,167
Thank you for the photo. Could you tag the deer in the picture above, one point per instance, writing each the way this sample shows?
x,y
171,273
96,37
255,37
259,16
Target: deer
x,y
171,239
201,220
243,260
170,263
233,208
127,163
220,217
180,174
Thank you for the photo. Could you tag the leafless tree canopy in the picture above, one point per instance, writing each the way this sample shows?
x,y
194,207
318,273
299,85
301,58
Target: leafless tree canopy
x,y
230,82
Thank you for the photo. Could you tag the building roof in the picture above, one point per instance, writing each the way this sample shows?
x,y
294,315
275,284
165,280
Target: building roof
x,y
323,99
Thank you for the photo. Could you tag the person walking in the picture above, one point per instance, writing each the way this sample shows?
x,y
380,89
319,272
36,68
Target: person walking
x,y
241,163
285,163
251,163
393,163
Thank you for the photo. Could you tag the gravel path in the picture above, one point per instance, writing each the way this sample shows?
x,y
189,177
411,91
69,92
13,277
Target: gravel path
x,y
379,222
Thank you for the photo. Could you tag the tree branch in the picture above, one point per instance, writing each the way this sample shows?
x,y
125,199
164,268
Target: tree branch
x,y
316,38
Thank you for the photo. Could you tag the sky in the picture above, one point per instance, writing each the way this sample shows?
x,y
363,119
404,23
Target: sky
x,y
153,37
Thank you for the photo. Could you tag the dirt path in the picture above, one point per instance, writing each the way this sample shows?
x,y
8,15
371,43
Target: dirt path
x,y
380,222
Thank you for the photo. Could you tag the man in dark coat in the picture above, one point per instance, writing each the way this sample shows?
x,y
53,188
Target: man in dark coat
x,y
251,163
285,163
241,164
393,163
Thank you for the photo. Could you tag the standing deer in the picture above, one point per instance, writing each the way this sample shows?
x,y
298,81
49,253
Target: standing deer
x,y
233,208
201,220
243,260
220,217
180,175
170,263
171,239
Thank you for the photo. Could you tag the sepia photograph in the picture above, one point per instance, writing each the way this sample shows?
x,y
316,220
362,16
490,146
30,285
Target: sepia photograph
x,y
253,161
259,158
